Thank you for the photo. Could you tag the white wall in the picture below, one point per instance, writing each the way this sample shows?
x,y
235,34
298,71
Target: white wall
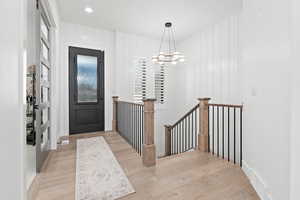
x,y
266,64
295,106
210,70
12,106
129,48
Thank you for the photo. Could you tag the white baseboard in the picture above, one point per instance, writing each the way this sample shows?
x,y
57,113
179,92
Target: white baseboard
x,y
257,182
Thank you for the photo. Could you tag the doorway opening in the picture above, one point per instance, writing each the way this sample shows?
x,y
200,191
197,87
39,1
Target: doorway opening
x,y
86,90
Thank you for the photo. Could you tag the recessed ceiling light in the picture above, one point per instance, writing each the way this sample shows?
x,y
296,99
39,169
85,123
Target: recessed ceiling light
x,y
88,10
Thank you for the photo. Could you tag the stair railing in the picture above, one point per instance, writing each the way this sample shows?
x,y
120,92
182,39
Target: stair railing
x,y
225,139
214,128
183,135
135,123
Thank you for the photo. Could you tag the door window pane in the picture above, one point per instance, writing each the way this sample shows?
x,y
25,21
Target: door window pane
x,y
45,73
45,95
44,29
45,51
45,116
87,79
45,140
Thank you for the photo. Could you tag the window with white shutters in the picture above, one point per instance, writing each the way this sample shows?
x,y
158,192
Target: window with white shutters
x,y
140,90
160,84
149,83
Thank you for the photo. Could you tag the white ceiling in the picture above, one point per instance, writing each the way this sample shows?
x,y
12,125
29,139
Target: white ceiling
x,y
147,17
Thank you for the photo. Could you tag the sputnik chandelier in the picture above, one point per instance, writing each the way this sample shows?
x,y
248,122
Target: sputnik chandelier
x,y
170,54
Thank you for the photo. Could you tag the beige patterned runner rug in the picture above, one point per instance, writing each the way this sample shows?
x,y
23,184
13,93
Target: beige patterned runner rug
x,y
98,174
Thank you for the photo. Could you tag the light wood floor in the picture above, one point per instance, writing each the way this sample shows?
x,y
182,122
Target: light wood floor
x,y
188,176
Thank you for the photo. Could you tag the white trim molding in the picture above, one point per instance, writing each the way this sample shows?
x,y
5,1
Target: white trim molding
x,y
257,182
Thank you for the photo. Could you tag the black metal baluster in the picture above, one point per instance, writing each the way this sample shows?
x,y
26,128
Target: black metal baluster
x,y
124,124
131,133
223,132
241,137
193,142
128,123
180,138
135,125
131,125
185,134
218,131
141,140
174,139
213,137
177,140
228,132
208,128
196,128
121,119
126,132
143,129
140,129
131,128
124,119
234,136
189,132
171,141
137,128
177,130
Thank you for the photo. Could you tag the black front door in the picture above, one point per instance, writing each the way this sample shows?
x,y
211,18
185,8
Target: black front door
x,y
86,90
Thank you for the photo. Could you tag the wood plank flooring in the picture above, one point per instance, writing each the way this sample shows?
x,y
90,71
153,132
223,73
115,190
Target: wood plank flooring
x,y
189,176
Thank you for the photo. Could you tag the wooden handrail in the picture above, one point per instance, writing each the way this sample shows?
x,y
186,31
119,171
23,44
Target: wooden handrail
x,y
132,103
187,114
225,105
